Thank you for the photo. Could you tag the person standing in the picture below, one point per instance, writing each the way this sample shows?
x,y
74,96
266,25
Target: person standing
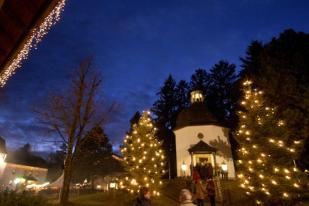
x,y
204,170
144,198
209,171
211,191
196,175
200,193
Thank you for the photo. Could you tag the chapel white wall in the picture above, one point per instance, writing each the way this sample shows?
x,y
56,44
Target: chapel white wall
x,y
187,136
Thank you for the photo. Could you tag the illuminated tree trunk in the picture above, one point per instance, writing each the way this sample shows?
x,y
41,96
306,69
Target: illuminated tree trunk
x,y
64,197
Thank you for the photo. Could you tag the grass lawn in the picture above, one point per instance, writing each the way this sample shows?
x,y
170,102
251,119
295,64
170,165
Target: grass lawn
x,y
169,196
233,196
118,198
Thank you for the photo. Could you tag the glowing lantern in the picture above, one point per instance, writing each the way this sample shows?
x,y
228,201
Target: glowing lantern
x,y
224,167
184,168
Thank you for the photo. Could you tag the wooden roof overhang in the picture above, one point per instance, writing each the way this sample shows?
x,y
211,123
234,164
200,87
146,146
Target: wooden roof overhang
x,y
201,148
18,21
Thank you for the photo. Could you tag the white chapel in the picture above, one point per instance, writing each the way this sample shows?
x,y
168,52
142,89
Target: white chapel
x,y
200,137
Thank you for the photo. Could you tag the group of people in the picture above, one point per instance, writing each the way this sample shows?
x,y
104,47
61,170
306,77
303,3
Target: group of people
x,y
204,169
204,186
185,197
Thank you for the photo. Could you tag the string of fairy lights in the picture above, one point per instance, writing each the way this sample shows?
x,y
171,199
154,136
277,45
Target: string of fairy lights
x,y
265,170
32,41
143,157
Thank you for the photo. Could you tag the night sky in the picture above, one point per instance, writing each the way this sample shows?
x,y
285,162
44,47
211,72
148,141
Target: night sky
x,y
136,44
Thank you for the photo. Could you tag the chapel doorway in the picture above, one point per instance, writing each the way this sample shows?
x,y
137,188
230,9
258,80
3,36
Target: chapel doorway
x,y
203,156
202,159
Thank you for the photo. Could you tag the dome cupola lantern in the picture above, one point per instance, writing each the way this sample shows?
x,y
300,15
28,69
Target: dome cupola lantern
x,y
197,96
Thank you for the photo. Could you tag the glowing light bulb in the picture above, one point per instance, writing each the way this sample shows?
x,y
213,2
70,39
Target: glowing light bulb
x,y
296,142
240,176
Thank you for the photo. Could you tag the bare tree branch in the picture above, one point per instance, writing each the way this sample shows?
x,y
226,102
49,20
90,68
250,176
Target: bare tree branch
x,y
73,113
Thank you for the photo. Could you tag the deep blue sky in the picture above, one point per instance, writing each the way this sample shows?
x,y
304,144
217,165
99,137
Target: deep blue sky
x,y
136,44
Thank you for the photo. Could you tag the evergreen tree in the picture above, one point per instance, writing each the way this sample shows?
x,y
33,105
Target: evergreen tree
x,y
220,98
134,120
93,152
280,67
143,157
200,80
165,107
267,169
182,91
251,64
173,97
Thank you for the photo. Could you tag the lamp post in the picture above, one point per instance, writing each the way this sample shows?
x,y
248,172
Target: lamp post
x,y
184,168
224,170
112,185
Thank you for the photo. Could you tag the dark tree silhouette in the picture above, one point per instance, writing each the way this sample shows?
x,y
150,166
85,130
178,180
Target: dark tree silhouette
x,y
221,99
93,152
72,113
280,68
200,80
24,155
173,97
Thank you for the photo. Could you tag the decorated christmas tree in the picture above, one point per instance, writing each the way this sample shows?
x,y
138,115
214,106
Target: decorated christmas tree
x,y
143,157
267,153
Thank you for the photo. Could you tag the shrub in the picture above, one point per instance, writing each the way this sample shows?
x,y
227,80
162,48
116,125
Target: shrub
x,y
8,198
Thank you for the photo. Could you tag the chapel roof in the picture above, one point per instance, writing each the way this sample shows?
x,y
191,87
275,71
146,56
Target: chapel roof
x,y
18,19
201,147
196,114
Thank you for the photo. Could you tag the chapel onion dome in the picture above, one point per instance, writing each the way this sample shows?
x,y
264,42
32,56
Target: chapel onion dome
x,y
197,113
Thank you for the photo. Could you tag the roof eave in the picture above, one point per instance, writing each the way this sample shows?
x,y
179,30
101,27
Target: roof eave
x,y
195,125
